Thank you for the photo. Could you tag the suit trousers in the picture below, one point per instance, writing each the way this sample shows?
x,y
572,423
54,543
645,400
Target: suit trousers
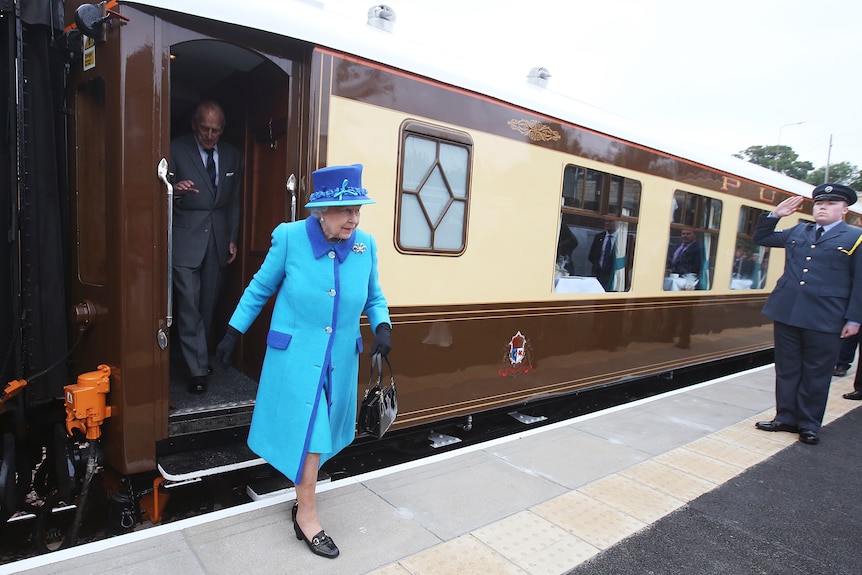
x,y
195,293
804,360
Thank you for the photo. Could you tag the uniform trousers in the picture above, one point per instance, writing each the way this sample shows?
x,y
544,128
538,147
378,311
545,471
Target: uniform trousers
x,y
804,360
848,351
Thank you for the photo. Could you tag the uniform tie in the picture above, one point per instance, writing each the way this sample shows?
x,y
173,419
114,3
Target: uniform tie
x,y
211,168
818,233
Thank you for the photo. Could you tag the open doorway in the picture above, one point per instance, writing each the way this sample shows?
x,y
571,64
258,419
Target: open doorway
x,y
255,93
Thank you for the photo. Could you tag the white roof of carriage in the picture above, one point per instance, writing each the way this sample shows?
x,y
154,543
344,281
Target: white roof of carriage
x,y
306,20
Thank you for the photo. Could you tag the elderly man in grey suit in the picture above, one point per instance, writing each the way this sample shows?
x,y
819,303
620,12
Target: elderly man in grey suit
x,y
207,173
816,302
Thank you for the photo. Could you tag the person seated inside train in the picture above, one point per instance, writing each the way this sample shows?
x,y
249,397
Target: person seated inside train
x,y
684,262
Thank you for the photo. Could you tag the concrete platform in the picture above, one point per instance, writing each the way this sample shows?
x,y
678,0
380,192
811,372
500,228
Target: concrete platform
x,y
678,483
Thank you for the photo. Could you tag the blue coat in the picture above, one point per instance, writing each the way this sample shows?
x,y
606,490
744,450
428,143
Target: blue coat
x,y
816,290
309,378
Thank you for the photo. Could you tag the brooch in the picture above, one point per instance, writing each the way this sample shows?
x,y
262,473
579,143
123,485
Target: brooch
x,y
359,248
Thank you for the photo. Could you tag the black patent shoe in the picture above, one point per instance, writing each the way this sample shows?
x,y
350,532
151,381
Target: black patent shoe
x,y
198,384
809,437
321,544
775,426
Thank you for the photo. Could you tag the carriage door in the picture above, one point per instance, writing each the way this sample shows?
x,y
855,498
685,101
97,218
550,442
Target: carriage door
x,y
272,157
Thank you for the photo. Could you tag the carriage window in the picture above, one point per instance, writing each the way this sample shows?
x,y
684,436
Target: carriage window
x,y
598,226
582,188
695,221
750,261
433,189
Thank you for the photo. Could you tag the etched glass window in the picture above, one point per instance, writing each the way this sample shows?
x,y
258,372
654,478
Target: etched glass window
x,y
434,190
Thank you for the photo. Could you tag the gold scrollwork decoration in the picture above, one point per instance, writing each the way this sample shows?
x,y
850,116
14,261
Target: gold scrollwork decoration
x,y
536,131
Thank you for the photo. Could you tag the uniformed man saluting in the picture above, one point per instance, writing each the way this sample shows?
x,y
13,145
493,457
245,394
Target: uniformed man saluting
x,y
816,302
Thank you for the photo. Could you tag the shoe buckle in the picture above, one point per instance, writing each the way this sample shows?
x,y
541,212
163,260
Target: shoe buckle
x,y
317,541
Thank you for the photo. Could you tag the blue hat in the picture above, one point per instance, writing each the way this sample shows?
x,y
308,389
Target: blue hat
x,y
338,186
830,191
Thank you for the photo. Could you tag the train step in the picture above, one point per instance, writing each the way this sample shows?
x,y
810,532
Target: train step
x,y
272,486
215,418
208,461
227,403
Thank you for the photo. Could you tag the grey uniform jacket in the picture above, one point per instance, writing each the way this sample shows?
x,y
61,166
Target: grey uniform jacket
x,y
821,288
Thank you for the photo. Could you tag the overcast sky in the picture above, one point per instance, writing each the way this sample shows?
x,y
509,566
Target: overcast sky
x,y
727,75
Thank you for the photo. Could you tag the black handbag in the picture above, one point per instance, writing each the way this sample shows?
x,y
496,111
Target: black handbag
x,y
380,404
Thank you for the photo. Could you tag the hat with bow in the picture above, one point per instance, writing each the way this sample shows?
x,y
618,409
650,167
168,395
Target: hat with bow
x,y
338,186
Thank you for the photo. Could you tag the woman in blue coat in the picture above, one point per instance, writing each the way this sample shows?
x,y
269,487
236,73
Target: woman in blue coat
x,y
323,273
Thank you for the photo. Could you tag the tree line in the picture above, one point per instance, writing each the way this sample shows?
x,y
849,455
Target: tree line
x,y
783,159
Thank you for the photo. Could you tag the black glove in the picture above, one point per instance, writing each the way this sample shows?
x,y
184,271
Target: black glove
x,y
382,341
224,350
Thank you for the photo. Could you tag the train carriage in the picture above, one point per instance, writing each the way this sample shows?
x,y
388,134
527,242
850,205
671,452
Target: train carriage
x,y
490,199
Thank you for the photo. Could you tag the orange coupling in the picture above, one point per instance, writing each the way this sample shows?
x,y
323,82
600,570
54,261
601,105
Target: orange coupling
x,y
86,402
12,389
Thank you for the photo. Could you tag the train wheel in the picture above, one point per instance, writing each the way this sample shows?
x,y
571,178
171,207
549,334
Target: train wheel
x,y
8,478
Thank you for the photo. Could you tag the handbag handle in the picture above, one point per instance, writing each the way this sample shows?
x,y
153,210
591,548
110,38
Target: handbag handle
x,y
376,361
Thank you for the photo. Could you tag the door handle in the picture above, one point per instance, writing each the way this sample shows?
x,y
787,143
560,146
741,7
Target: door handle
x,y
290,186
162,335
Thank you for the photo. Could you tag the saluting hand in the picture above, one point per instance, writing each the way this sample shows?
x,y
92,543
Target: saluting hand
x,y
788,206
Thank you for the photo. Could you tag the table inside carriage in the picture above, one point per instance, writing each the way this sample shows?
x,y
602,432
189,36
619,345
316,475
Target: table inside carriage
x,y
578,284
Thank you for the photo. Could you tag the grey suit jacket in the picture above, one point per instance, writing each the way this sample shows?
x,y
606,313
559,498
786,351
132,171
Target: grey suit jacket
x,y
215,212
821,288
